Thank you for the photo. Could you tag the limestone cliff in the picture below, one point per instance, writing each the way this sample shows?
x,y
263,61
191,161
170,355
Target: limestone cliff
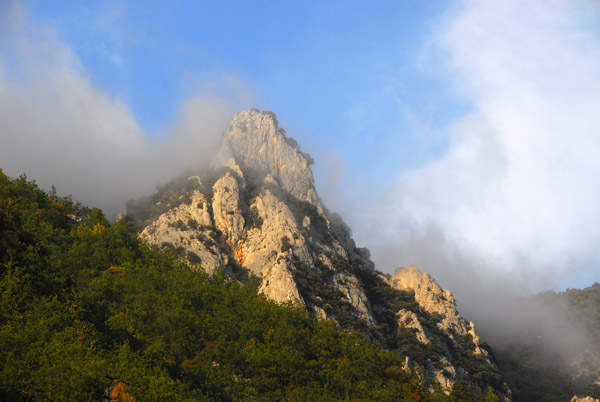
x,y
255,211
435,300
452,333
255,141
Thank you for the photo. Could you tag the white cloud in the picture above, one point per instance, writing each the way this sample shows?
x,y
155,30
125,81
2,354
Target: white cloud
x,y
518,191
59,129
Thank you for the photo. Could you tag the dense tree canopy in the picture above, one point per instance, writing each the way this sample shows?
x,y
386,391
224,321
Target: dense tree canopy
x,y
86,304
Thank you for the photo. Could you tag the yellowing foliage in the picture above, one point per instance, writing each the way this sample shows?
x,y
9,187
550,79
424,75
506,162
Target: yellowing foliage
x,y
120,394
98,228
115,269
57,205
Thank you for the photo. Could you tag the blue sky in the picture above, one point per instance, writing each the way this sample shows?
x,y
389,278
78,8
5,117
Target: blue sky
x,y
460,136
348,73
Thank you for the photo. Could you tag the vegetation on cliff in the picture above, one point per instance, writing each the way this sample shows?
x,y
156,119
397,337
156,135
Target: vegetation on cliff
x,y
85,302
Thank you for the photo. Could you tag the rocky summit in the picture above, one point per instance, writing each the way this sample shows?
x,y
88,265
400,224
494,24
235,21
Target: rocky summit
x,y
254,211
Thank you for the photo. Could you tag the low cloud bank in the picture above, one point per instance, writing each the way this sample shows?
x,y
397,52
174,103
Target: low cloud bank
x,y
60,130
512,207
518,190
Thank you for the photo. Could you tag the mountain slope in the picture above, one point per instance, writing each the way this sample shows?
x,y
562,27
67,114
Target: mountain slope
x,y
555,363
256,212
91,313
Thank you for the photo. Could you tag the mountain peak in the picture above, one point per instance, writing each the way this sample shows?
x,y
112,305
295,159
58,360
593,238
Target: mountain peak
x,y
257,213
255,141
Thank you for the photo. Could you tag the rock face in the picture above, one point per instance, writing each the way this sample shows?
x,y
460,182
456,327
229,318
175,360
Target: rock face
x,y
435,300
197,239
255,211
584,399
453,331
255,141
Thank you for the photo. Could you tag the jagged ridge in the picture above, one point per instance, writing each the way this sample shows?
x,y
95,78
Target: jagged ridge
x,y
256,211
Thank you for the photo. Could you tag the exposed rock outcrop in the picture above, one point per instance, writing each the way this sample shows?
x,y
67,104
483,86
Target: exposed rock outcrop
x,y
436,300
263,214
254,140
226,209
451,333
584,399
256,211
190,228
409,319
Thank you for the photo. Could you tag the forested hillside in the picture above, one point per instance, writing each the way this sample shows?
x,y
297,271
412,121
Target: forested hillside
x,y
87,306
534,368
255,211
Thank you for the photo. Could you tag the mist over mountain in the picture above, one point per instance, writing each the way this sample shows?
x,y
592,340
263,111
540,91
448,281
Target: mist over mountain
x,y
238,285
253,213
58,120
492,191
255,208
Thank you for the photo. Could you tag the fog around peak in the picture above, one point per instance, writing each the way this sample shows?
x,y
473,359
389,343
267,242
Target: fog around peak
x,y
61,130
508,207
515,192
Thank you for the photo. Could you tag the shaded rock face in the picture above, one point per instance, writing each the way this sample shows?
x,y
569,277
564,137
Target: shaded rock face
x,y
255,211
258,210
584,371
454,331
